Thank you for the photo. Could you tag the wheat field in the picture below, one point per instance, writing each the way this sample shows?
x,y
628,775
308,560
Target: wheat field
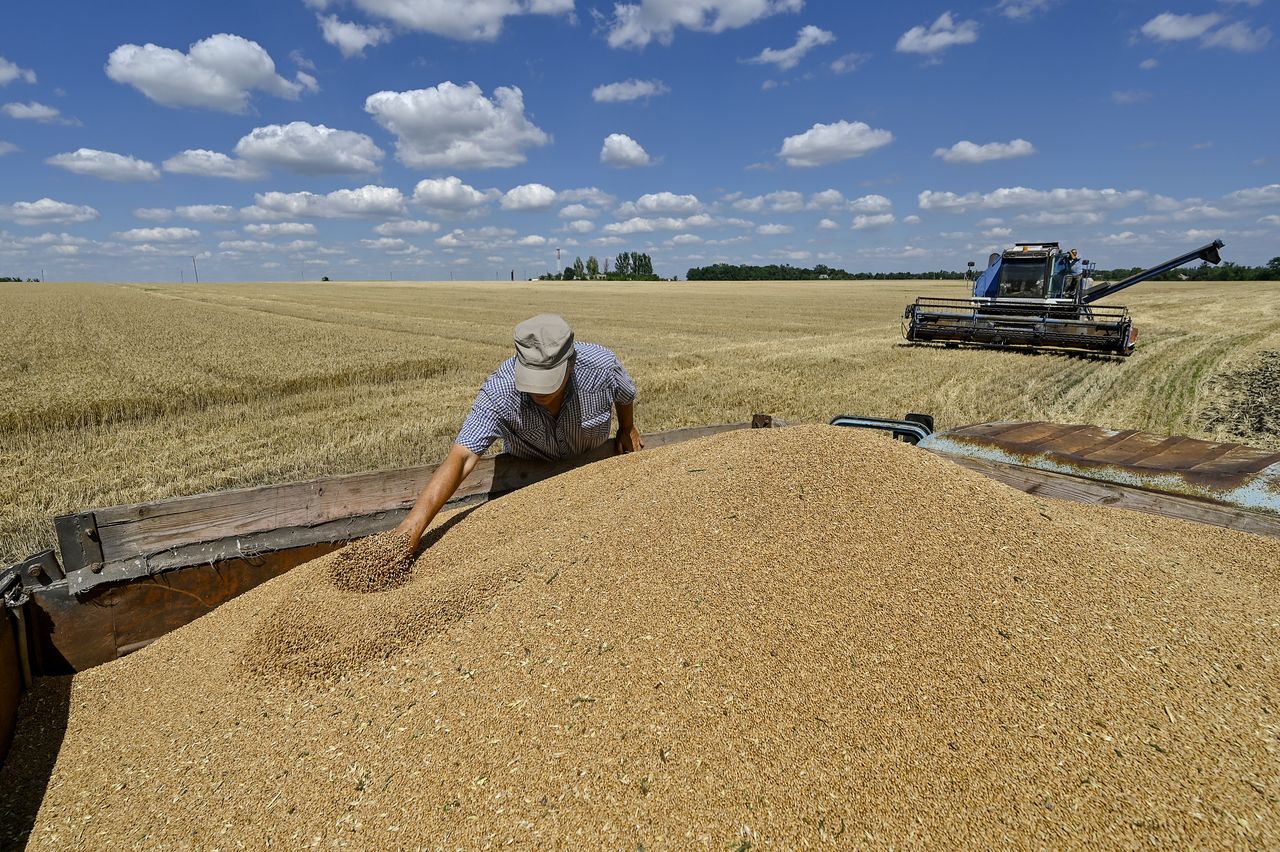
x,y
129,392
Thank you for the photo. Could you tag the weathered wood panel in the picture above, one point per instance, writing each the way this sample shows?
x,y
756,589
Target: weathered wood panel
x,y
121,542
1064,487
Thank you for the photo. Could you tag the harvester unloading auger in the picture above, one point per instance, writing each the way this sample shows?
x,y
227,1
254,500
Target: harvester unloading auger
x,y
1036,295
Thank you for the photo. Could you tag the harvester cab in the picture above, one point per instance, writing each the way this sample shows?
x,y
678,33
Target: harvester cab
x,y
1034,271
1037,295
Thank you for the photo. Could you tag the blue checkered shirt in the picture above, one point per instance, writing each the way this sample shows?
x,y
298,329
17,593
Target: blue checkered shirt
x,y
599,381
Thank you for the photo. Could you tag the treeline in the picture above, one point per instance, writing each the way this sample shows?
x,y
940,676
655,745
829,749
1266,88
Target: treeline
x,y
627,266
821,272
19,280
1225,271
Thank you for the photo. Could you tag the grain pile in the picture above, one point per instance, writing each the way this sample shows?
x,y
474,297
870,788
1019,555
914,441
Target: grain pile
x,y
779,637
374,564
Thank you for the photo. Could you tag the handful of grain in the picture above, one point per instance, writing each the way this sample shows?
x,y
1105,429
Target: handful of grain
x,y
374,564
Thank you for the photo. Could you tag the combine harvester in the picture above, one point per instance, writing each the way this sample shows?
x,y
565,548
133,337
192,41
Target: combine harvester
x,y
1035,295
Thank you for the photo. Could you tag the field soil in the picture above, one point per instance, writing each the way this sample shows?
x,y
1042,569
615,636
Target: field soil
x,y
123,393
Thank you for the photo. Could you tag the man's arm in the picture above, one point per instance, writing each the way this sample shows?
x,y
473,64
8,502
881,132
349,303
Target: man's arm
x,y
444,482
624,401
628,440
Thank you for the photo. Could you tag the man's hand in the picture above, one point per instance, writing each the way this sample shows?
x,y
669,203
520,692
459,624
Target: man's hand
x,y
628,440
412,527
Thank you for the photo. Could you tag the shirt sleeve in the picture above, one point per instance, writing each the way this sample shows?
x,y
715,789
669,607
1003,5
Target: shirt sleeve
x,y
480,429
624,387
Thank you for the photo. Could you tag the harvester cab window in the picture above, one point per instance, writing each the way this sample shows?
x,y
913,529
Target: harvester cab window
x,y
1023,279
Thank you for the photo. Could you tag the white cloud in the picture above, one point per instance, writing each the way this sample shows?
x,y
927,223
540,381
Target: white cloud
x,y
105,165
1023,10
647,225
623,152
580,226
827,198
159,235
754,204
450,194
828,224
785,201
457,126
629,90
1269,220
153,214
1258,196
202,163
831,143
391,245
587,195
1122,238
661,202
578,211
207,212
637,24
10,72
911,220
878,220
945,32
968,152
217,73
406,226
1149,64
1129,97
310,149
350,38
686,239
787,58
848,62
46,211
7,147
529,196
1049,217
468,20
282,229
366,201
871,204
35,111
1238,37
247,245
532,240
773,230
1020,196
1170,27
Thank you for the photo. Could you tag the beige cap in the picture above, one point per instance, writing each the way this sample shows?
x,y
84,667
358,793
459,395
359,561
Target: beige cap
x,y
544,345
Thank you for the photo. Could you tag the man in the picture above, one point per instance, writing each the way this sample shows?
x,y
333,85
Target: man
x,y
553,400
1071,269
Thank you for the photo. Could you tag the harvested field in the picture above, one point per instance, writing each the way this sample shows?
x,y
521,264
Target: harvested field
x,y
116,394
773,637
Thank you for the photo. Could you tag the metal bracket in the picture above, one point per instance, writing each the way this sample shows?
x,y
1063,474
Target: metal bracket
x,y
39,570
78,541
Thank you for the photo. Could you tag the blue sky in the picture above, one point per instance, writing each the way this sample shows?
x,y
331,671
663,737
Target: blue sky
x,y
430,139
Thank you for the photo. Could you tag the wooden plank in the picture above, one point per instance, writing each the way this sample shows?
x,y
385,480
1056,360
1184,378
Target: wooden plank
x,y
1064,487
126,532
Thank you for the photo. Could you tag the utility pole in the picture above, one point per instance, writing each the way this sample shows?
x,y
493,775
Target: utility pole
x,y
195,269
182,275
